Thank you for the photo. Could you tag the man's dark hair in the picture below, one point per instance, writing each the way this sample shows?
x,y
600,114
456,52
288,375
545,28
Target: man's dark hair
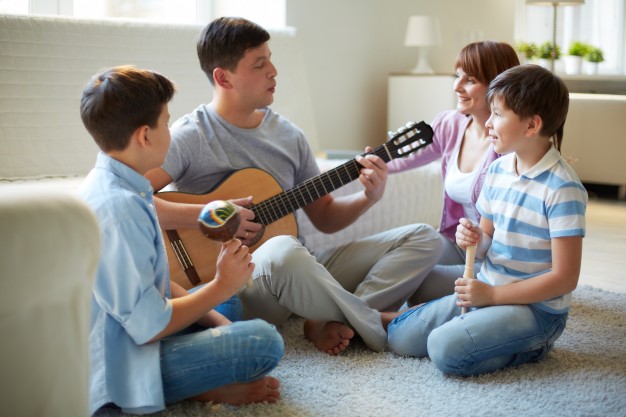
x,y
224,41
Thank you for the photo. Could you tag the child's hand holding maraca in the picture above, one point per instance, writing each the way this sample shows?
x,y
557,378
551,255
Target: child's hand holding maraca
x,y
234,266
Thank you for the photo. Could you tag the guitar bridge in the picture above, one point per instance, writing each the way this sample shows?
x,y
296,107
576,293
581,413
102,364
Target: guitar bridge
x,y
178,247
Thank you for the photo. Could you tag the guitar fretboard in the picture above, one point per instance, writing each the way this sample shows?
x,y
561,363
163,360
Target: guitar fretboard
x,y
282,204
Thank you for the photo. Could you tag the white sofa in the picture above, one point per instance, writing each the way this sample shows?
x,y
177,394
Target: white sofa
x,y
594,138
44,153
49,250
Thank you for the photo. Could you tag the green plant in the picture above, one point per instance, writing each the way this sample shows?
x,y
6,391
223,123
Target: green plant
x,y
528,49
578,48
594,55
545,51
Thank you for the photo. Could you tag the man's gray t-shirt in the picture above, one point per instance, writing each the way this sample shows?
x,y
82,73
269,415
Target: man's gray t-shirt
x,y
206,149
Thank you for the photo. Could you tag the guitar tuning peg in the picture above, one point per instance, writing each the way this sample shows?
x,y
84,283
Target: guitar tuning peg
x,y
390,134
410,125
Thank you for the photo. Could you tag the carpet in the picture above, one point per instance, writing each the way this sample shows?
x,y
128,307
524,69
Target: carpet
x,y
585,375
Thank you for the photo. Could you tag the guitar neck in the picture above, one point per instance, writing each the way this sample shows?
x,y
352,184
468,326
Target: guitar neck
x,y
287,202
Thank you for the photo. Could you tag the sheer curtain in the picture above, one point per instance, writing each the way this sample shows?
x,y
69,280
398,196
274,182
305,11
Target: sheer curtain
x,y
597,22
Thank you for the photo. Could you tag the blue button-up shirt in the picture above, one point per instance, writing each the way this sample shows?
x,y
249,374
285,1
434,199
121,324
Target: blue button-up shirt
x,y
130,297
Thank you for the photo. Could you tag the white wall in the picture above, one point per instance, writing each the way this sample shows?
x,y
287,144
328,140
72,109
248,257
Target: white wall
x,y
350,46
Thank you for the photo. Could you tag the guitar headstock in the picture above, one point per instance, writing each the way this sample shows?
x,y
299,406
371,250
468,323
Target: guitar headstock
x,y
408,139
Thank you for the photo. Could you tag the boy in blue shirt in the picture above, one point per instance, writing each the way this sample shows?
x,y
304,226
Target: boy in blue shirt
x,y
532,208
151,342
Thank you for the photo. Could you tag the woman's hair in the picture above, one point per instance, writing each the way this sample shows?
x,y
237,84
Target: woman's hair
x,y
530,90
485,60
118,100
224,41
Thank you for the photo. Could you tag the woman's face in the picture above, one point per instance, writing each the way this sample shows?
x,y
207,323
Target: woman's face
x,y
471,94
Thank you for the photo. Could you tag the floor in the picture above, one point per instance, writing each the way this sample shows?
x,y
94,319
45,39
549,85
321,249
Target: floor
x,y
604,247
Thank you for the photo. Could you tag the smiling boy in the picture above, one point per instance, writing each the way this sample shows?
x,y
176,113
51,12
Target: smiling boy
x,y
532,224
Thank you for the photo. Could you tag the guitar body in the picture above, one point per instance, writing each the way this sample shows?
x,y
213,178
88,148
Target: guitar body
x,y
192,256
202,251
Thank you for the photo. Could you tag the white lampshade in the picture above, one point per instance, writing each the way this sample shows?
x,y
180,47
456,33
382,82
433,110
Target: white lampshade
x,y
424,32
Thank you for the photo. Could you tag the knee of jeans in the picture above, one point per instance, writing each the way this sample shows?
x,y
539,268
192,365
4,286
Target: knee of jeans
x,y
446,351
272,339
403,344
261,350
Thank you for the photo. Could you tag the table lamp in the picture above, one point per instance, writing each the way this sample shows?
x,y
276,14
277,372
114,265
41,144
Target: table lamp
x,y
423,32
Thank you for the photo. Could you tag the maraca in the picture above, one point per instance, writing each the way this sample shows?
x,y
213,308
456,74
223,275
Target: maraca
x,y
219,220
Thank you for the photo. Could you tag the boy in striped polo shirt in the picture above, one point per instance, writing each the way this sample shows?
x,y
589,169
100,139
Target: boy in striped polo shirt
x,y
530,236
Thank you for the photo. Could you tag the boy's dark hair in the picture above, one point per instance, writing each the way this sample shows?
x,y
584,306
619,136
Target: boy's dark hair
x,y
118,100
485,60
224,41
530,90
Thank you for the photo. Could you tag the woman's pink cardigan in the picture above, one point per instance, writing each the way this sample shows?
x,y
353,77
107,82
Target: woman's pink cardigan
x,y
449,128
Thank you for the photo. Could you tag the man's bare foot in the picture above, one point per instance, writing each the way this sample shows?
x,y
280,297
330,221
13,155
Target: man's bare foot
x,y
261,390
331,337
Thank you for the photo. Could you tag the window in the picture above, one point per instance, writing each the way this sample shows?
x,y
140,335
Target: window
x,y
596,22
267,13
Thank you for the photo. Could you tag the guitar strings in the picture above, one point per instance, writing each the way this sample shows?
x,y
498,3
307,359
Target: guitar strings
x,y
282,204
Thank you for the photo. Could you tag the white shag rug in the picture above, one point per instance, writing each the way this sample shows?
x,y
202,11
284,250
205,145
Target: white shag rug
x,y
585,375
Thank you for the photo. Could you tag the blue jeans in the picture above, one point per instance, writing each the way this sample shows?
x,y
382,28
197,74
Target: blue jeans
x,y
231,308
481,341
199,359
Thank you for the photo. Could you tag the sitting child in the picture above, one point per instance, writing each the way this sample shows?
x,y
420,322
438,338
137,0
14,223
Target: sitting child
x,y
533,220
151,342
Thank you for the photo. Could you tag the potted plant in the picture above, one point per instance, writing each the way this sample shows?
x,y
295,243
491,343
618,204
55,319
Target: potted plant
x,y
547,52
526,50
593,58
574,59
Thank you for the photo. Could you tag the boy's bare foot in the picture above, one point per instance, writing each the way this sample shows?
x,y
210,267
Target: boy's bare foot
x,y
331,337
261,390
387,317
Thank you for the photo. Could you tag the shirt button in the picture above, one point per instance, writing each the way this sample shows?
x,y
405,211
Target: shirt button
x,y
142,194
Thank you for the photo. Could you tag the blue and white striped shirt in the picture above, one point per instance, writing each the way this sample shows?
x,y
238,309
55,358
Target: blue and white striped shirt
x,y
527,211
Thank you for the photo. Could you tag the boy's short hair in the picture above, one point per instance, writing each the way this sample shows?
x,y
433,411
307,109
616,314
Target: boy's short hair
x,y
224,41
486,59
118,100
530,90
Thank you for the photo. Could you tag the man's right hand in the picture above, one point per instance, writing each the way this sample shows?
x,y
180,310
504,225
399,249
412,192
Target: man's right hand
x,y
248,228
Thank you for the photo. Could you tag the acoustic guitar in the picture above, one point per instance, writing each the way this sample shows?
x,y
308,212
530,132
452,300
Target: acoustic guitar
x,y
192,256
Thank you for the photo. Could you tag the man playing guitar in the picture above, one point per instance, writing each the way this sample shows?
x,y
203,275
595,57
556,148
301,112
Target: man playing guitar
x,y
339,291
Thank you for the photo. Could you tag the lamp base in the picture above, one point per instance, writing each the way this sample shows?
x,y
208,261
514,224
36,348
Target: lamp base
x,y
422,66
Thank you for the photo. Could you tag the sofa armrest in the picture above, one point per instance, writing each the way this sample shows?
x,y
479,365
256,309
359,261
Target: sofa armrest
x,y
48,257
